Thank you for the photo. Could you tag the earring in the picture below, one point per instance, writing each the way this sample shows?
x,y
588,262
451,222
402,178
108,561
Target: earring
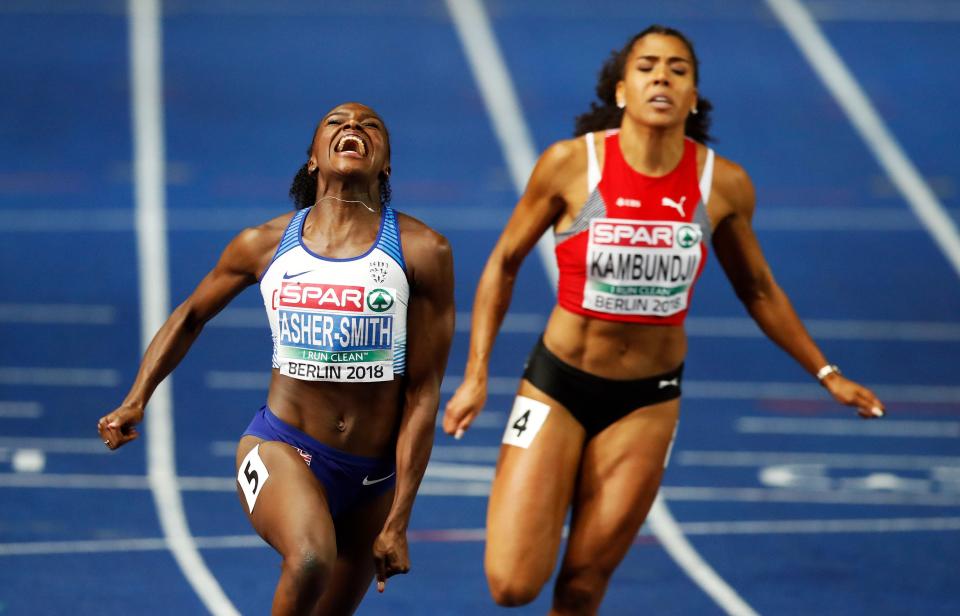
x,y
694,111
621,104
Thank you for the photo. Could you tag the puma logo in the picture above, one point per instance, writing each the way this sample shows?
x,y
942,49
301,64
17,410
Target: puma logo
x,y
677,205
675,382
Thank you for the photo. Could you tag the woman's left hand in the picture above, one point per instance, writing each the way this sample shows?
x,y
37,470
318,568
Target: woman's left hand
x,y
390,555
852,393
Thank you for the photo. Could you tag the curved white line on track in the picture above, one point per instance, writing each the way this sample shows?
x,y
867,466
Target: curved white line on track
x,y
503,108
860,111
150,223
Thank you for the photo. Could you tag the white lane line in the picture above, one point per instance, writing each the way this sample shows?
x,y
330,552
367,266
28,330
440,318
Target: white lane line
x,y
486,218
91,445
469,481
465,453
79,481
223,449
772,390
247,380
477,534
452,486
692,389
12,409
504,111
206,219
936,11
847,219
487,420
464,535
462,472
58,377
822,497
146,56
496,385
831,329
889,428
833,460
860,111
123,545
531,323
72,314
235,379
817,527
697,327
513,322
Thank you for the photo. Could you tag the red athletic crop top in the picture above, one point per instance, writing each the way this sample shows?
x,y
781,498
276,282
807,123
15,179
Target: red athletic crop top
x,y
639,243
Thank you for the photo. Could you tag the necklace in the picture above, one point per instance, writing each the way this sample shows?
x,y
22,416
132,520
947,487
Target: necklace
x,y
363,203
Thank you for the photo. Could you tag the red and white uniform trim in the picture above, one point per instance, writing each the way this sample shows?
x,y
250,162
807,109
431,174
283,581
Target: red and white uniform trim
x,y
639,243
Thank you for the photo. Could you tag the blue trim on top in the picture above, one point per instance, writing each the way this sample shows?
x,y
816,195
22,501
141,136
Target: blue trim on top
x,y
390,243
292,235
292,229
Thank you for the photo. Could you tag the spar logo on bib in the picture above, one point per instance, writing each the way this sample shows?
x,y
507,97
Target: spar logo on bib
x,y
379,300
342,298
629,234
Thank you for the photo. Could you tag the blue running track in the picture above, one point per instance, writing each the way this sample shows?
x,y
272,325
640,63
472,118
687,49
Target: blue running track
x,y
796,505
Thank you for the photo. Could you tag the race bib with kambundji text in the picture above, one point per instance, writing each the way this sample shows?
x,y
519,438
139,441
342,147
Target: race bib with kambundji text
x,y
641,268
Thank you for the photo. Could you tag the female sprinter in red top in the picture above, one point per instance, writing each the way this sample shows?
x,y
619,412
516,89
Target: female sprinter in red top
x,y
635,202
360,303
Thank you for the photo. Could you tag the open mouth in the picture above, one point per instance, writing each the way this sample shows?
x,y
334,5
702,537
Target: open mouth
x,y
661,101
351,144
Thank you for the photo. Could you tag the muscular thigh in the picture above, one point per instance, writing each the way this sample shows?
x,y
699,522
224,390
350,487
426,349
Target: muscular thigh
x,y
531,491
356,531
619,477
290,504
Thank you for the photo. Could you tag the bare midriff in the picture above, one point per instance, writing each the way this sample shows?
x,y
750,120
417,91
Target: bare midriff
x,y
612,349
358,418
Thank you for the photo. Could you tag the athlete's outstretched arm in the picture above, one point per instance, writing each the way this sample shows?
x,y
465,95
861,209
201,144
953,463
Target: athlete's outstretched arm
x,y
430,323
535,212
236,270
742,259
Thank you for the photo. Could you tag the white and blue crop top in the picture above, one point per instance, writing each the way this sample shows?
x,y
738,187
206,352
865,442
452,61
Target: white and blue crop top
x,y
339,320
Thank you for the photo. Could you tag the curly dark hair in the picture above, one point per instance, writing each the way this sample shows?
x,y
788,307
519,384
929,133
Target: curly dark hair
x,y
303,188
607,115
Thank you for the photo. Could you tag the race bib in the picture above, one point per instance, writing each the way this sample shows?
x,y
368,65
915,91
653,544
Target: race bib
x,y
525,421
251,476
336,332
641,268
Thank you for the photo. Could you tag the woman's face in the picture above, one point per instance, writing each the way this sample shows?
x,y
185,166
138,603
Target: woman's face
x,y
351,140
658,81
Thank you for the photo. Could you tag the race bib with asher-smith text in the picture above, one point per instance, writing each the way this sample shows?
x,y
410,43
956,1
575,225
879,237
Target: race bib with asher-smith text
x,y
641,267
332,332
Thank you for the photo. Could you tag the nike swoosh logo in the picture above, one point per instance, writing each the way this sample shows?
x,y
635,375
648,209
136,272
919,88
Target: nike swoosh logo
x,y
669,383
370,482
287,276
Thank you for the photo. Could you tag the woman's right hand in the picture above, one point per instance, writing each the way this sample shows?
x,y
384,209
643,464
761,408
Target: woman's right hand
x,y
120,426
464,406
